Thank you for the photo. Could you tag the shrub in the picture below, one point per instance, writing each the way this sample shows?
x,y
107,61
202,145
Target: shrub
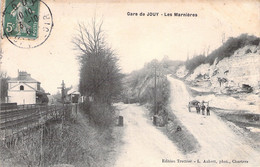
x,y
194,62
85,107
102,114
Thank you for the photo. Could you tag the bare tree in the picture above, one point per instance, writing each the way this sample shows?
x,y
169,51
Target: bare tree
x,y
3,85
223,39
100,75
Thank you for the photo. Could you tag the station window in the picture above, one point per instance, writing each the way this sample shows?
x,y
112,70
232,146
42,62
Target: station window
x,y
21,87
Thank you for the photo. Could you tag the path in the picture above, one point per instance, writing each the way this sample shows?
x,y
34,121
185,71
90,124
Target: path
x,y
217,140
144,145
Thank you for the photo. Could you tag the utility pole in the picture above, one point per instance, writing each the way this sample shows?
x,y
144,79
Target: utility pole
x,y
155,66
155,91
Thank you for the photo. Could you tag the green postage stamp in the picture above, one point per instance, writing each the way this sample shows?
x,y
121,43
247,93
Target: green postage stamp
x,y
21,18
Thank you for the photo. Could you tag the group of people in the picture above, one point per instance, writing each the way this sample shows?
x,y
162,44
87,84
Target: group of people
x,y
201,107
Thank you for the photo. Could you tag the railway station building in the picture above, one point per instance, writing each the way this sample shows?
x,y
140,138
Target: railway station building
x,y
24,89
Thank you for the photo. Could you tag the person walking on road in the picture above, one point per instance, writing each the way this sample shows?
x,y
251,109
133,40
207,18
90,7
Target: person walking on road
x,y
198,108
203,108
208,111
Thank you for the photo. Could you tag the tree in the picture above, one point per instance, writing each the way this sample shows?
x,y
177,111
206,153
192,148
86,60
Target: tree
x,y
100,75
4,85
194,62
3,81
43,98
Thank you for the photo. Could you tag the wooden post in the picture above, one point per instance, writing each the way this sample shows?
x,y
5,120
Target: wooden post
x,y
63,111
120,121
155,120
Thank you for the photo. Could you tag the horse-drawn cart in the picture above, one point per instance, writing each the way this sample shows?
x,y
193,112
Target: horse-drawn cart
x,y
193,103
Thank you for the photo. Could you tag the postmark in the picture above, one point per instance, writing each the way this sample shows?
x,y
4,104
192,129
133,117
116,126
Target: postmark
x,y
27,23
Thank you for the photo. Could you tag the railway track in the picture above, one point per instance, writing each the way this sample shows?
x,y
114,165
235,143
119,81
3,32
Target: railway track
x,y
14,121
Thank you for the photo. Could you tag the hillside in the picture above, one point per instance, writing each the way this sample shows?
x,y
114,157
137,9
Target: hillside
x,y
230,83
241,68
235,73
140,85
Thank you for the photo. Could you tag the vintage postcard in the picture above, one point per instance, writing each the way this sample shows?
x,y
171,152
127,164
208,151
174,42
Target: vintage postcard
x,y
130,83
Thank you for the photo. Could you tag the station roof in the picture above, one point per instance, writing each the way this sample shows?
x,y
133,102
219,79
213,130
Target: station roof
x,y
23,77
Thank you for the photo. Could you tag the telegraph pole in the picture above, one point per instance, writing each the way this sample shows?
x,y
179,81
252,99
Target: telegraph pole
x,y
155,91
155,66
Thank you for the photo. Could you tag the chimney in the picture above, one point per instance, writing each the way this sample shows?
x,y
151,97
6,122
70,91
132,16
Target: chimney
x,y
22,75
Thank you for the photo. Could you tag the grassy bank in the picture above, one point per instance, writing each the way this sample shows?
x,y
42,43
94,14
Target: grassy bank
x,y
76,141
179,135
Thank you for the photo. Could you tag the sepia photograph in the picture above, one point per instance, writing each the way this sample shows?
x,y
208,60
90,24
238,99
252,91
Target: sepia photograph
x,y
129,83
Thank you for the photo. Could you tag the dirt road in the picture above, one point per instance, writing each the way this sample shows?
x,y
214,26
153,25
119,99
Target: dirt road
x,y
143,144
217,140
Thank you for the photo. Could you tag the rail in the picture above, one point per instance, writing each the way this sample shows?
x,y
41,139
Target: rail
x,y
14,121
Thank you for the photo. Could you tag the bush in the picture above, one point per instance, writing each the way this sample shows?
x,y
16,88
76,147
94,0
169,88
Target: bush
x,y
195,62
85,107
101,114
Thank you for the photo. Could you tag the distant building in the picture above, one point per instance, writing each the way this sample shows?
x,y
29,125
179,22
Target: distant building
x,y
73,96
24,89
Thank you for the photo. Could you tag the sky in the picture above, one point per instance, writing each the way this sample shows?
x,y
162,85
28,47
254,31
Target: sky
x,y
135,39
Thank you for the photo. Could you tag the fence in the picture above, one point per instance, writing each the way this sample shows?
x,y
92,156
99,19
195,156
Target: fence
x,y
24,119
6,106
